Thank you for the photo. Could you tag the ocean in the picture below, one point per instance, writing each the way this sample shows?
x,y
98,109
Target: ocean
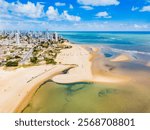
x,y
136,44
132,96
109,38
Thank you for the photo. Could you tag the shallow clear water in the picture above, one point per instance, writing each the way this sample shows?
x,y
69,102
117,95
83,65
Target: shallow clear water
x,y
139,41
136,44
132,96
88,97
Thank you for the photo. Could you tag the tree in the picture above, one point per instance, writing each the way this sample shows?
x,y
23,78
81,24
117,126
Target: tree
x,y
12,63
33,60
50,61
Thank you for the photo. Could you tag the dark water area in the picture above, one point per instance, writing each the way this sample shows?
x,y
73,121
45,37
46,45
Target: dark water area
x,y
108,55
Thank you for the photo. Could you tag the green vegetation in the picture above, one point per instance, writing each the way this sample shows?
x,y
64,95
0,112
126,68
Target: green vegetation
x,y
17,57
12,63
45,51
9,57
33,60
2,37
50,61
45,45
36,50
12,51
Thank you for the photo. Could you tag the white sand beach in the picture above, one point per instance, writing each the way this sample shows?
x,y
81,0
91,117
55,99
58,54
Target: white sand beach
x,y
121,58
83,72
18,86
78,56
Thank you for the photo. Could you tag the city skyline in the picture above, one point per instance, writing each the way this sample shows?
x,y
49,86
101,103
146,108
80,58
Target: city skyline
x,y
76,15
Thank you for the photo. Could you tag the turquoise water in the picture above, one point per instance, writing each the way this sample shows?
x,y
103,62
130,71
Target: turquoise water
x,y
109,38
132,96
139,41
135,43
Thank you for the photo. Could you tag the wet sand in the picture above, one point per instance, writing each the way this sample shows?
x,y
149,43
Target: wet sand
x,y
119,81
81,57
18,86
122,58
89,98
131,95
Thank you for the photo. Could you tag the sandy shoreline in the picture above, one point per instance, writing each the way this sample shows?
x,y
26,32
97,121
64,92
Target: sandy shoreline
x,y
83,72
79,56
18,86
122,58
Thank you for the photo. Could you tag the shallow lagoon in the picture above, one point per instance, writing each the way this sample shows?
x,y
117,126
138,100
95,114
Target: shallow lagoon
x,y
128,97
88,97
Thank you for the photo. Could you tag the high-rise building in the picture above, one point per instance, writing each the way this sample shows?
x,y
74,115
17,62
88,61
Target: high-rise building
x,y
56,37
47,36
51,37
17,38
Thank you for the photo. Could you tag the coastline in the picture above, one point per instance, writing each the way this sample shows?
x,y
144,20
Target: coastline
x,y
16,94
24,82
83,58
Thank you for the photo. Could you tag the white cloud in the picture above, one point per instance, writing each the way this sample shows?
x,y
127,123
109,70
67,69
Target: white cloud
x,y
71,26
99,2
53,14
60,4
71,6
29,9
4,4
68,17
134,8
145,9
143,26
18,11
103,15
86,7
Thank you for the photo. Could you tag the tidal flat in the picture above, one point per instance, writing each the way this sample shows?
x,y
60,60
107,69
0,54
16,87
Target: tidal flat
x,y
88,98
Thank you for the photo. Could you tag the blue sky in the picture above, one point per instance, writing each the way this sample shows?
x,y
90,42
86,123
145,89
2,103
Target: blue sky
x,y
75,15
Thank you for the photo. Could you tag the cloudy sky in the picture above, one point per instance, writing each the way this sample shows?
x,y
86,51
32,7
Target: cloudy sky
x,y
74,15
